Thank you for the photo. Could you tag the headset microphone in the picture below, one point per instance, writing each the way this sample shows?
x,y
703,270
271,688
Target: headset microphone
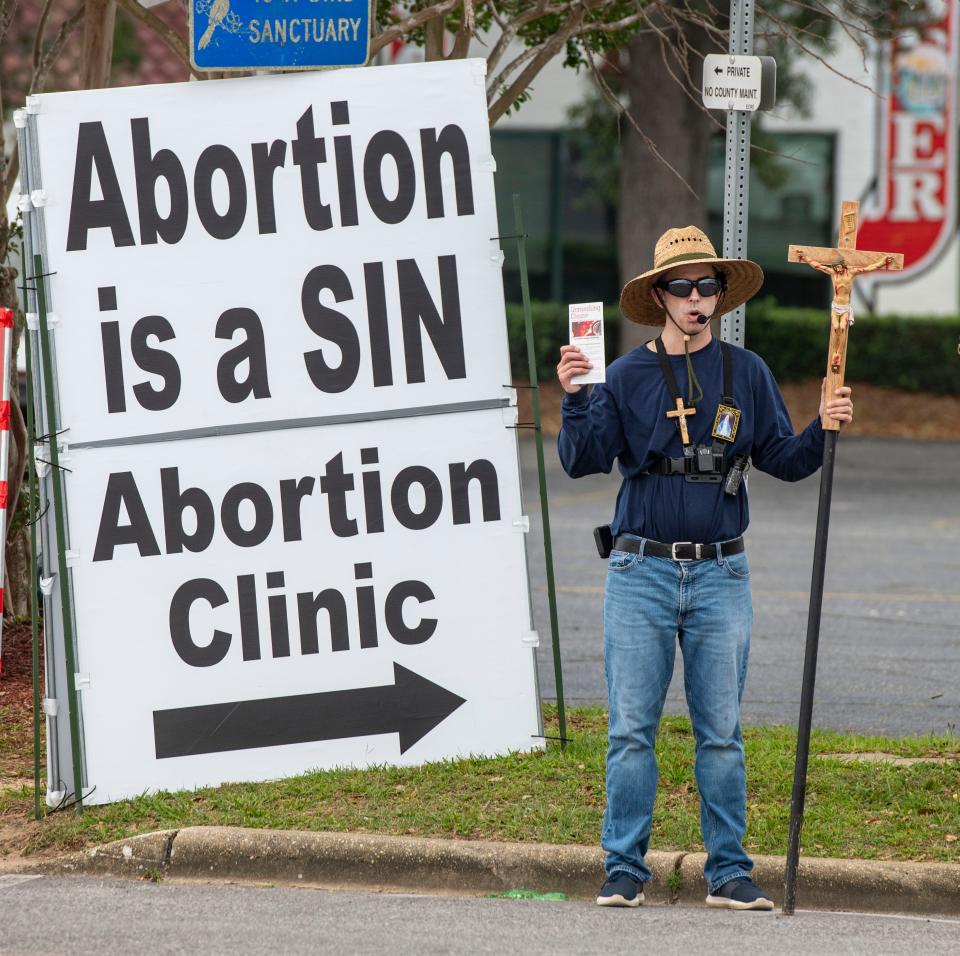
x,y
703,319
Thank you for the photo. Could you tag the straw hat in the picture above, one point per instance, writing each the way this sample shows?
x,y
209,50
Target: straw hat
x,y
680,247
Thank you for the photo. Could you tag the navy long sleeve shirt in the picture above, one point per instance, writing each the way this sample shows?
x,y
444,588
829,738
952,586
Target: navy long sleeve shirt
x,y
624,420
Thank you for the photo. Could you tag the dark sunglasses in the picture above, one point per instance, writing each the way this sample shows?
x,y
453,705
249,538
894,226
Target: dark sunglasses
x,y
681,288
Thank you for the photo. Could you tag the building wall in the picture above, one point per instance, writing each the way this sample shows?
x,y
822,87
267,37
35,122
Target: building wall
x,y
841,110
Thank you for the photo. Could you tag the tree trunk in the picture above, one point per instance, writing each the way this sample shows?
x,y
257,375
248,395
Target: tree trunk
x,y
652,197
16,596
98,24
433,39
99,20
16,593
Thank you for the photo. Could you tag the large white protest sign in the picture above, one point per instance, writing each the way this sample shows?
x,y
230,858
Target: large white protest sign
x,y
296,534
270,248
261,587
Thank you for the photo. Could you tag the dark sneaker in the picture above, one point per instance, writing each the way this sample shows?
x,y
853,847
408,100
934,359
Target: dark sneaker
x,y
740,894
620,889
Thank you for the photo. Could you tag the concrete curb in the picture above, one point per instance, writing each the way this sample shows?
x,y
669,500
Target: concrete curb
x,y
417,864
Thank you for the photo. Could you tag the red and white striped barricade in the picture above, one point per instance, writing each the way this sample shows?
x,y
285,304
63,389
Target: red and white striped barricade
x,y
6,323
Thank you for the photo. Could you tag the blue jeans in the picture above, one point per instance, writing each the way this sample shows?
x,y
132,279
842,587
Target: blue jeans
x,y
649,603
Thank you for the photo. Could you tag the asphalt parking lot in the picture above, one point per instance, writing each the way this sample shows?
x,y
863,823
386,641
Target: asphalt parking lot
x,y
889,657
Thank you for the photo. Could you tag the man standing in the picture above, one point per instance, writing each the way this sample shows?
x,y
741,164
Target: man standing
x,y
677,569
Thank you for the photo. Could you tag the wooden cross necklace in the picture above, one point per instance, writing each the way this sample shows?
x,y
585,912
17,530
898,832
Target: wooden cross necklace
x,y
681,412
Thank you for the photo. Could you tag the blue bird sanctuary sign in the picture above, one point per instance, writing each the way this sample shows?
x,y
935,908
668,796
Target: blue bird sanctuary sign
x,y
278,34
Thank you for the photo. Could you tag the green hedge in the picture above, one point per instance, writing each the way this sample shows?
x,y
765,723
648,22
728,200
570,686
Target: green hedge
x,y
914,353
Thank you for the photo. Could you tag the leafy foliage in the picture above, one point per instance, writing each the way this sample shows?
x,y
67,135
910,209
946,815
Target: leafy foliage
x,y
791,32
583,33
914,353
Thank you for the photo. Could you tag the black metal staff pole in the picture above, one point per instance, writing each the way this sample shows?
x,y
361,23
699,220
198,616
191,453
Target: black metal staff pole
x,y
809,671
846,262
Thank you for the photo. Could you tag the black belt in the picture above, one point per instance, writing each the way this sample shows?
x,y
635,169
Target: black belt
x,y
688,466
679,550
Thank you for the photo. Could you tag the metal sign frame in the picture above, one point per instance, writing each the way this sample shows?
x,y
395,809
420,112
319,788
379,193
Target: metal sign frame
x,y
70,765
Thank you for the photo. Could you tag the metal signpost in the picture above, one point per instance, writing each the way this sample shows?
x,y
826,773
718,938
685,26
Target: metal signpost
x,y
258,34
744,84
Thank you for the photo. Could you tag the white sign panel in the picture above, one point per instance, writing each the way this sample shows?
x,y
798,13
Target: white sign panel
x,y
272,248
731,82
260,605
294,493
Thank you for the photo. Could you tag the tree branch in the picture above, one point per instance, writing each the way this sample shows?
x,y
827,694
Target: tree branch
x,y
38,36
497,17
461,45
507,35
681,49
510,30
611,98
8,9
500,80
621,24
50,54
399,30
545,53
170,37
791,37
13,171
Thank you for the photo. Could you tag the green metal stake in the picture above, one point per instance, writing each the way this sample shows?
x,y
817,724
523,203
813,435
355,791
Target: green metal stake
x,y
34,498
541,470
61,534
34,583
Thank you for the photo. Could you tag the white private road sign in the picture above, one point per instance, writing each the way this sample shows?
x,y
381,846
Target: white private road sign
x,y
745,83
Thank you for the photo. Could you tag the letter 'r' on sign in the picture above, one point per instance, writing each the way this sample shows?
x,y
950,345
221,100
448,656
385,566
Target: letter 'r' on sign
x,y
250,34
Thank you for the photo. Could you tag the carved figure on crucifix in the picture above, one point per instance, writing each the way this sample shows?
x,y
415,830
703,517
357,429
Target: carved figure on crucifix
x,y
842,275
681,415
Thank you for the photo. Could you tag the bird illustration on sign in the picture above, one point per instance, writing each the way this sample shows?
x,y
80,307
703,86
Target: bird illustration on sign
x,y
218,15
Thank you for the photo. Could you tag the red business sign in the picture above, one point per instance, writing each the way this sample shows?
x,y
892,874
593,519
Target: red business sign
x,y
914,207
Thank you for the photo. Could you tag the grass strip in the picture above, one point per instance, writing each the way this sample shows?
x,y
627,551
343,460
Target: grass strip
x,y
858,809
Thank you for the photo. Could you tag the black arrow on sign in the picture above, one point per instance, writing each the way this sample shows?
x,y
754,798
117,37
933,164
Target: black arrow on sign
x,y
718,70
411,707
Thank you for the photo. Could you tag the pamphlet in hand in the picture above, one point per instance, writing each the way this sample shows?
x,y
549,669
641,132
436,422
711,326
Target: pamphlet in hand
x,y
586,333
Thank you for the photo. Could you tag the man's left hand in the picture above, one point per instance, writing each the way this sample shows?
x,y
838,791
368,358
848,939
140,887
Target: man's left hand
x,y
840,407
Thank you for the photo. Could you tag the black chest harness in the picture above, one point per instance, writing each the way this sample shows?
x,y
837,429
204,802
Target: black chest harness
x,y
702,462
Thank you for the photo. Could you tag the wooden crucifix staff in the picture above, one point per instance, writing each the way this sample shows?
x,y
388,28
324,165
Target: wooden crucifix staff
x,y
843,265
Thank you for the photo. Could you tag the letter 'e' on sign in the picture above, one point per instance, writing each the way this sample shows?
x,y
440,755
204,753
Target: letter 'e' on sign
x,y
252,34
742,83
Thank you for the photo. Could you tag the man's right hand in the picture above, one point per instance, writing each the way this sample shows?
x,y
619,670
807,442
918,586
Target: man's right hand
x,y
572,362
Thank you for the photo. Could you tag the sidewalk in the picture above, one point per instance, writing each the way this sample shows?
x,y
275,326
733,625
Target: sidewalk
x,y
459,867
